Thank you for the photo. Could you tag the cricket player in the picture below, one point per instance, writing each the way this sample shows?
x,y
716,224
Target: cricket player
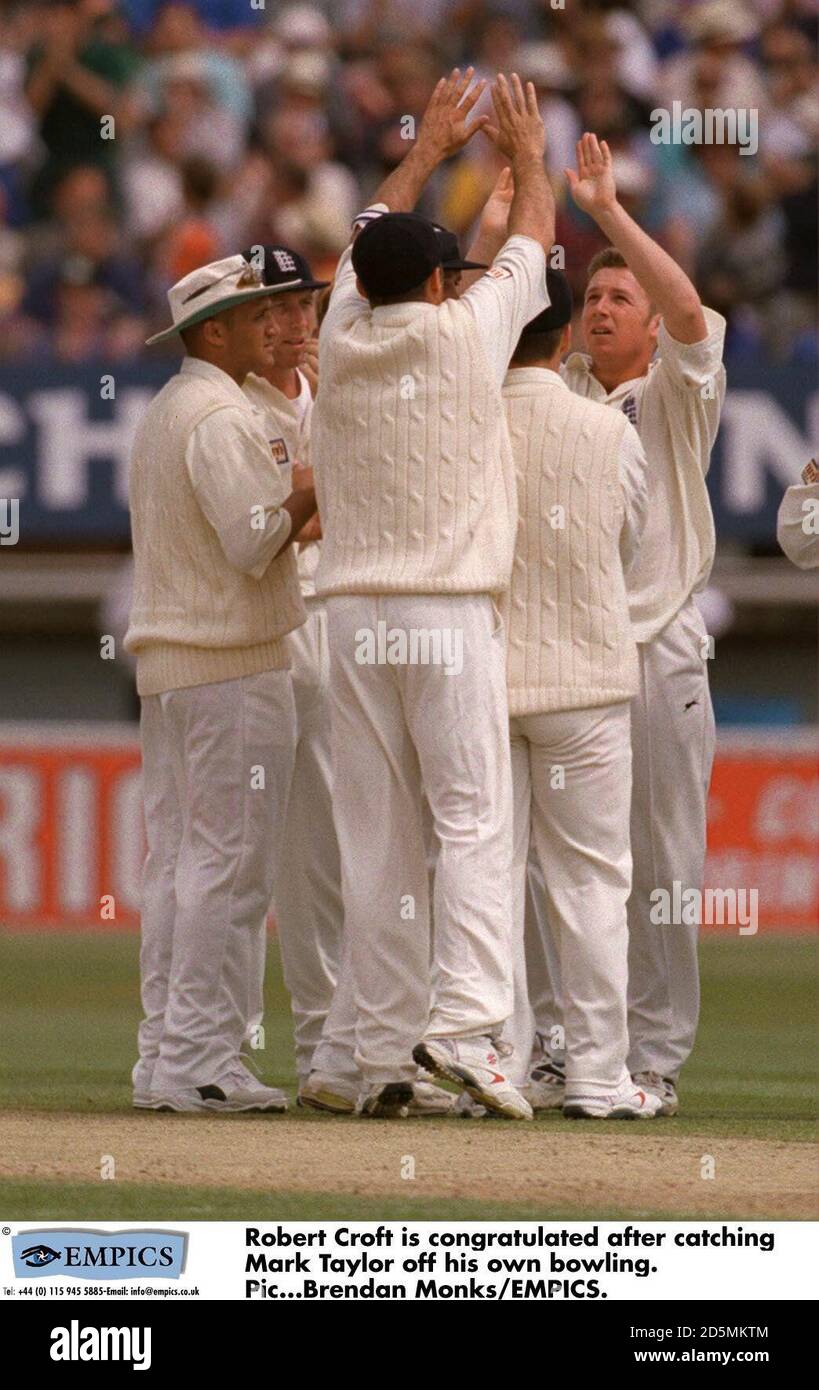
x,y
215,594
571,672
417,497
797,523
309,911
335,1081
638,302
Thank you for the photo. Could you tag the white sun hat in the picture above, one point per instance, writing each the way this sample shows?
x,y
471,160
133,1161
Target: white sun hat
x,y
211,289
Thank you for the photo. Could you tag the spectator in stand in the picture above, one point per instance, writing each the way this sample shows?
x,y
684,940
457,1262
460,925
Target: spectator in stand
x,y
76,77
792,125
206,128
192,239
91,255
179,34
311,198
152,178
718,31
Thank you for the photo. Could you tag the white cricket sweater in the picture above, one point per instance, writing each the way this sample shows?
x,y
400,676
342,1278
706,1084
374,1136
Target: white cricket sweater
x,y
569,639
201,483
413,464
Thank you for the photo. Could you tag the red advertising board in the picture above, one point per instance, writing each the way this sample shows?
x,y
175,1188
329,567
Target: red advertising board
x,y
72,842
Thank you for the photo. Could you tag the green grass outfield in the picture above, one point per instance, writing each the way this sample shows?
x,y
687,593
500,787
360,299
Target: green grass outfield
x,y
69,1010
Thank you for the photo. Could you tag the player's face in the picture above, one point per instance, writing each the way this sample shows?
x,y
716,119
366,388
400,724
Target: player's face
x,y
618,325
295,318
452,284
251,336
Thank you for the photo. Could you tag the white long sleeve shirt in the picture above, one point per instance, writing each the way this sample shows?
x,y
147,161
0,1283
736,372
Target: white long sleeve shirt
x,y
676,409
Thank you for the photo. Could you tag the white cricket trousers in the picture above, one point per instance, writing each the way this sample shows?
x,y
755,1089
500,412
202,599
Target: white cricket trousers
x,y
217,762
673,738
571,774
307,897
396,728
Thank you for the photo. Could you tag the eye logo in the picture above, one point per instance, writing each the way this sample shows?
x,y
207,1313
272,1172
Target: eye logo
x,y
39,1255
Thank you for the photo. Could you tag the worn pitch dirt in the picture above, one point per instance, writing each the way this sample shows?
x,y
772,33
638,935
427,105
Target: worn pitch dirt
x,y
596,1169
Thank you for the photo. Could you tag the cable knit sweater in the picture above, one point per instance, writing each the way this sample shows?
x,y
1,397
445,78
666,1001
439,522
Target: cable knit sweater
x,y
413,462
570,643
212,597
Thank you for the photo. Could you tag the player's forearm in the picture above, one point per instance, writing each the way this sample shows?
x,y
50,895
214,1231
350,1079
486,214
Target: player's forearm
x,y
665,283
484,248
301,506
402,188
532,212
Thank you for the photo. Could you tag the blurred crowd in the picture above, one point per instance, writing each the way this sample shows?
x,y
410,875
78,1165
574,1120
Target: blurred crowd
x,y
141,138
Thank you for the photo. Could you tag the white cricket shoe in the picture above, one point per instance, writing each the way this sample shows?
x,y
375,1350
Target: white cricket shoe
x,y
546,1087
184,1102
473,1063
661,1086
386,1100
334,1095
241,1091
628,1102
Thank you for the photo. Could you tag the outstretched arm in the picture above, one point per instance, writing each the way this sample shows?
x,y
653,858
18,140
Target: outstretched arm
x,y
667,286
443,132
493,228
519,134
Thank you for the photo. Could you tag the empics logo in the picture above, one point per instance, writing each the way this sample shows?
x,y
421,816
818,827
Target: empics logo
x,y
75,1343
38,1255
99,1254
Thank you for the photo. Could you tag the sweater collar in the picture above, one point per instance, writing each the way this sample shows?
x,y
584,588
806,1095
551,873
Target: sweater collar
x,y
543,376
277,398
206,371
397,315
581,362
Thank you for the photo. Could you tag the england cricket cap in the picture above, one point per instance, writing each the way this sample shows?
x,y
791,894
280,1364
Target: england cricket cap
x,y
279,265
396,253
451,258
210,290
559,312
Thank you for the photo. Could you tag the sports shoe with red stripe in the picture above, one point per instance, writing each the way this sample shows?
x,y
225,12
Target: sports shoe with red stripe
x,y
628,1102
473,1064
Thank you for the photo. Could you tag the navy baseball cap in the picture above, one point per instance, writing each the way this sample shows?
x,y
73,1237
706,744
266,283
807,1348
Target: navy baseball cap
x,y
559,312
451,258
395,253
284,267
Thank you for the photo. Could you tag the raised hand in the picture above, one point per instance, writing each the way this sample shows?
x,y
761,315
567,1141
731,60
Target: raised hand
x,y
494,220
519,131
593,187
444,129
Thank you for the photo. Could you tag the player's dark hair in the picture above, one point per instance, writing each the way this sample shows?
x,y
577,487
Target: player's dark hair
x,y
534,348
